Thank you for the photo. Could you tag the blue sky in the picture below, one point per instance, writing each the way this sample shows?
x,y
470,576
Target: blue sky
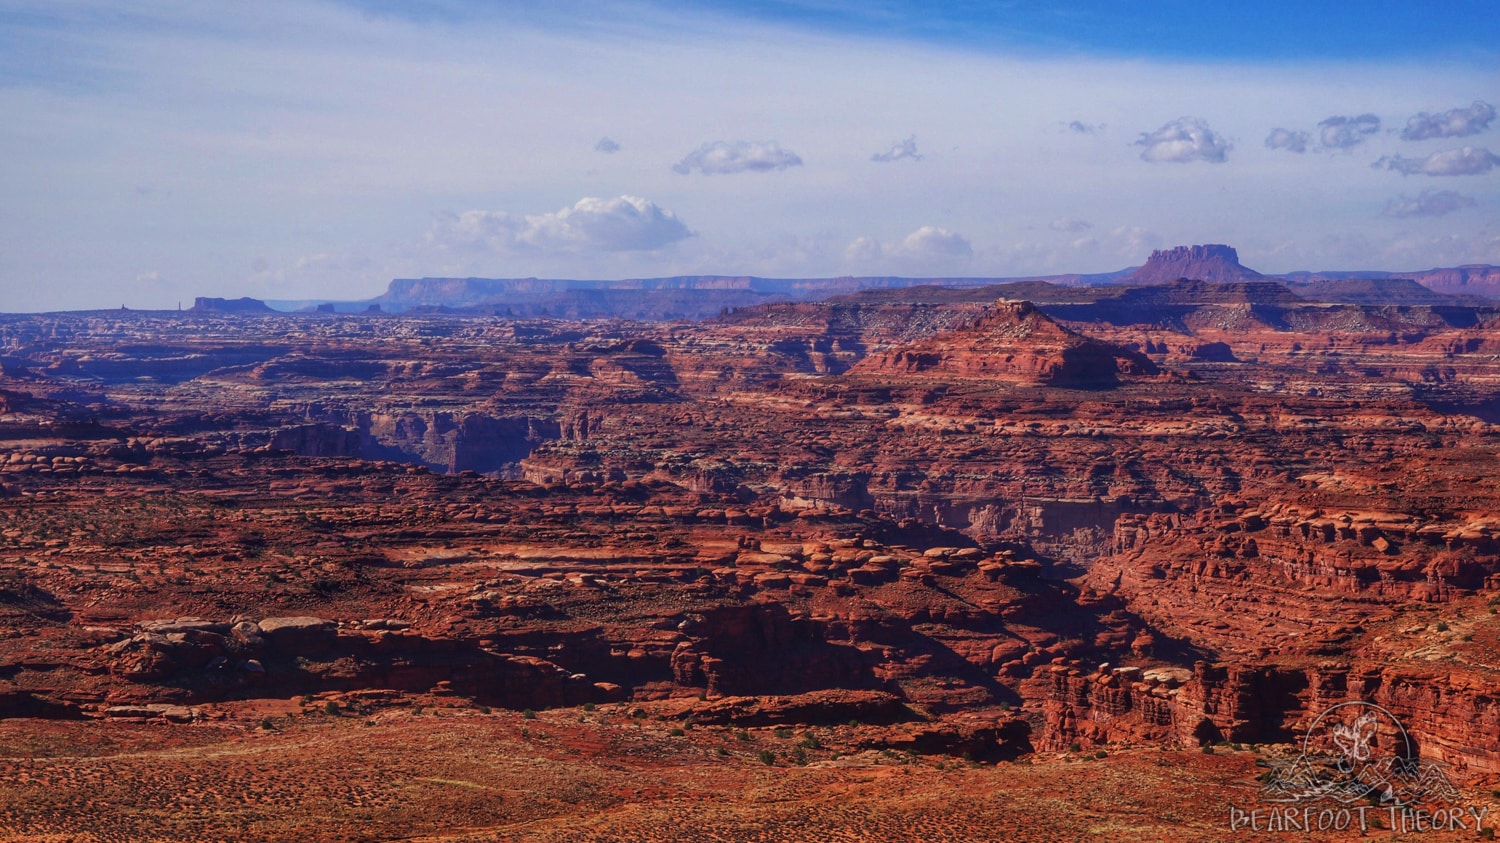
x,y
163,149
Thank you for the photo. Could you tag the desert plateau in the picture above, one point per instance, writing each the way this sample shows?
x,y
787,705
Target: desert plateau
x,y
904,564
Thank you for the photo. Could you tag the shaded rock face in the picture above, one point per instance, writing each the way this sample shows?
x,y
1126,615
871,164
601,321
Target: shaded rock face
x,y
444,441
317,440
1213,262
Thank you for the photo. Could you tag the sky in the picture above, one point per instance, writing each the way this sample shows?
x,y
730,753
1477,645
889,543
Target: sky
x,y
158,150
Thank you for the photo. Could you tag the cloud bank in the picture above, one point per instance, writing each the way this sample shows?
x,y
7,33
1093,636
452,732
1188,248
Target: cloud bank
x,y
1453,123
1070,224
906,149
1347,132
1428,203
724,157
1184,140
621,224
1468,161
929,244
1287,139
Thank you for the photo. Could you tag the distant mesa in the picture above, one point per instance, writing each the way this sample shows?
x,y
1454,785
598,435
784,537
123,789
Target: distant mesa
x,y
1379,291
1211,262
1210,274
246,305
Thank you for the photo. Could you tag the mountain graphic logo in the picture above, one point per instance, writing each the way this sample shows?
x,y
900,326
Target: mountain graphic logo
x,y
1358,751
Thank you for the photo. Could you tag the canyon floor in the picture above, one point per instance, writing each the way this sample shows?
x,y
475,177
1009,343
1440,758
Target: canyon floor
x,y
1032,563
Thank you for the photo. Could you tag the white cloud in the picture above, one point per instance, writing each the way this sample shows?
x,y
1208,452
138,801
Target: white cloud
x,y
1083,128
621,224
1182,140
1468,161
1347,132
1287,139
1070,225
935,242
1428,203
929,249
737,157
905,149
864,250
607,146
1453,123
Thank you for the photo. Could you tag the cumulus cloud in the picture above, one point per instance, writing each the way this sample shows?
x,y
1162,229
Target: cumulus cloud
x,y
1468,161
926,245
1453,123
621,224
607,146
1183,140
864,250
1428,203
1069,224
737,157
1287,139
931,241
904,149
1347,132
1083,128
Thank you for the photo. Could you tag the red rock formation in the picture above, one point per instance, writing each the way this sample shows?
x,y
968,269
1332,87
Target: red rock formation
x,y
1011,343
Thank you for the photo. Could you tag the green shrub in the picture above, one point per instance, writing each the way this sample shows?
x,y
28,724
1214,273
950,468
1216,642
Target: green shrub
x,y
767,757
528,714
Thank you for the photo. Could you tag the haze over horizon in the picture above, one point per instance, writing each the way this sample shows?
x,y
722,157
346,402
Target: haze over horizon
x,y
319,148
